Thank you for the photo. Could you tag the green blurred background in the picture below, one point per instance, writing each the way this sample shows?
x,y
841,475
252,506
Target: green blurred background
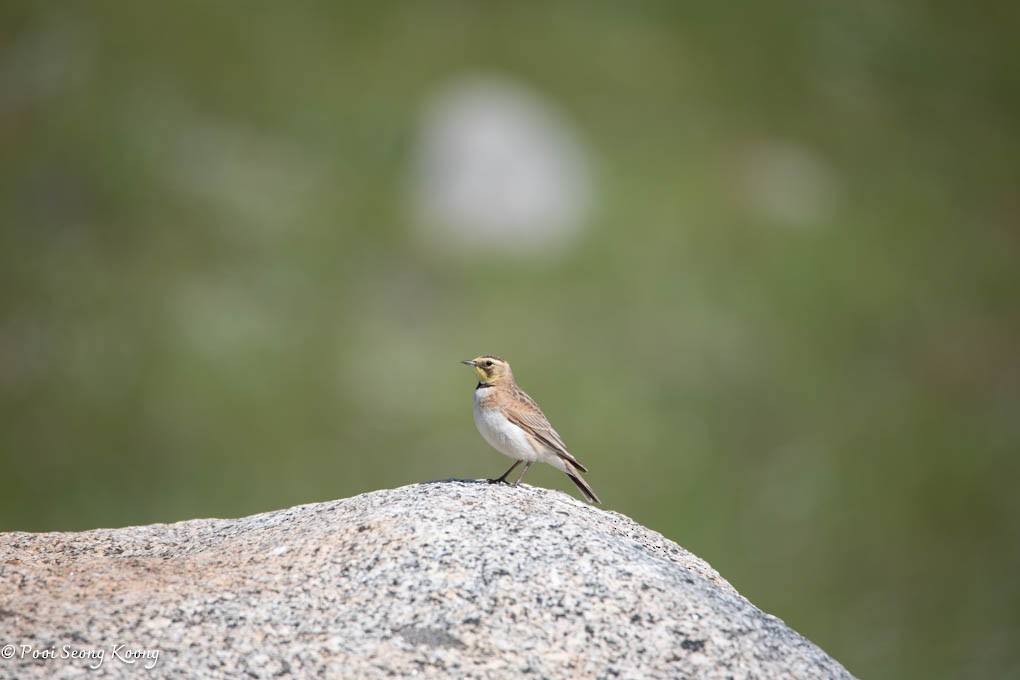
x,y
784,333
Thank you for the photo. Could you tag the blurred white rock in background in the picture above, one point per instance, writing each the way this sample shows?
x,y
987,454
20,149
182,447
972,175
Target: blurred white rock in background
x,y
499,170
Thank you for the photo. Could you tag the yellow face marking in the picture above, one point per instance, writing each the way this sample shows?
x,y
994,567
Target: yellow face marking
x,y
487,373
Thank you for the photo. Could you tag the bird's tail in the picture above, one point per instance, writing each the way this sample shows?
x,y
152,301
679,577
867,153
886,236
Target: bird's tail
x,y
586,491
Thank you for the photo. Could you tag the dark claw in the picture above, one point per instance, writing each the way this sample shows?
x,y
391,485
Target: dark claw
x,y
502,479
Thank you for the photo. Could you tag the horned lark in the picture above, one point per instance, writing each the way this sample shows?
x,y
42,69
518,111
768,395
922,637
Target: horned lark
x,y
513,424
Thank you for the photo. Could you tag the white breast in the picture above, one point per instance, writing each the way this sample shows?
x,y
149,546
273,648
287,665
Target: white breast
x,y
501,434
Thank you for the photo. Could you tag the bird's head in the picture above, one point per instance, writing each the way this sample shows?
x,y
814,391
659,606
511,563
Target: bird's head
x,y
491,369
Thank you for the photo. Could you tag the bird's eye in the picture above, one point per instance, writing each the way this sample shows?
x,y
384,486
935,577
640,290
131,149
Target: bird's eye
x,y
488,363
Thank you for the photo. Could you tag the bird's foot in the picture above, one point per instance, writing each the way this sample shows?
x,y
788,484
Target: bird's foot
x,y
500,480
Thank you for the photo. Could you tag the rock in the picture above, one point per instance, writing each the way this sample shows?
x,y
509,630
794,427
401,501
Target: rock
x,y
500,171
443,579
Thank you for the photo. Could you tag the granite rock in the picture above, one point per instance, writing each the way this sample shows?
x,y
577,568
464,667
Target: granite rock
x,y
442,579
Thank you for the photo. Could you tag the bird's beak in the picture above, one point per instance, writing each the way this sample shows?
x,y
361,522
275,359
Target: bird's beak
x,y
469,362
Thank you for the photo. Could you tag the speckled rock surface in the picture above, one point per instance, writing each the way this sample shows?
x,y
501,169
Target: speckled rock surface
x,y
444,579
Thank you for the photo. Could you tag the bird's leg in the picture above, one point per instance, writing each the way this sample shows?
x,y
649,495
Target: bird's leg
x,y
503,478
522,472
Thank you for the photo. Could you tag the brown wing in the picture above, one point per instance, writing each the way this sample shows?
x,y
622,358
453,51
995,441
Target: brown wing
x,y
523,412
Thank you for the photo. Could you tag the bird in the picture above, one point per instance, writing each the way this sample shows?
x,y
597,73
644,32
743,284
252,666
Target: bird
x,y
513,424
